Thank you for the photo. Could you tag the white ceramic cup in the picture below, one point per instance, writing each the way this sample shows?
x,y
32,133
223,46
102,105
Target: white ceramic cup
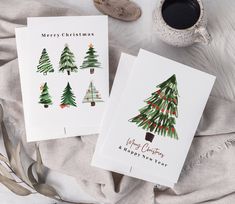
x,y
181,37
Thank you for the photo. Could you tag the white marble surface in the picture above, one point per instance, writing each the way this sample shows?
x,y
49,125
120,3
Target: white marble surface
x,y
218,59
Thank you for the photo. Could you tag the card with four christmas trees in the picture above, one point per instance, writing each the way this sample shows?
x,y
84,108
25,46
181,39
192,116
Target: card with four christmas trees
x,y
154,109
63,64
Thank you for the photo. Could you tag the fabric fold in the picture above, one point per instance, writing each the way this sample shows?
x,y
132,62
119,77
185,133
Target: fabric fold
x,y
218,117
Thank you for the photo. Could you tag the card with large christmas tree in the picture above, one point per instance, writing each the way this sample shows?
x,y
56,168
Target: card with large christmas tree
x,y
153,119
104,160
64,72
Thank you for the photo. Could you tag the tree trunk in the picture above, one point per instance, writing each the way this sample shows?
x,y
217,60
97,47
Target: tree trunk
x,y
92,71
68,72
149,136
93,103
45,106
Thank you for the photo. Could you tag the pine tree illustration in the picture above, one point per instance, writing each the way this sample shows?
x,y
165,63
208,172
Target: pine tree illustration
x,y
67,62
160,113
44,65
45,97
90,60
68,98
92,95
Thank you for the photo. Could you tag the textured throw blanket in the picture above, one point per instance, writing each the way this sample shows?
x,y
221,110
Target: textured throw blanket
x,y
208,175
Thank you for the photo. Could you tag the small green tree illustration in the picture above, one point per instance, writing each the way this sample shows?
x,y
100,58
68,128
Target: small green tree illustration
x,y
67,62
160,113
68,98
44,65
92,95
45,97
90,60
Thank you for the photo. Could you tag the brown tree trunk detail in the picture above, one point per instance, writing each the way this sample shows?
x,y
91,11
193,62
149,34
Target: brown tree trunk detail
x,y
149,136
92,71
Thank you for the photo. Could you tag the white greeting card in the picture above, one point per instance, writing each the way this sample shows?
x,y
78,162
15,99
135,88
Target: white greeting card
x,y
102,160
156,118
65,75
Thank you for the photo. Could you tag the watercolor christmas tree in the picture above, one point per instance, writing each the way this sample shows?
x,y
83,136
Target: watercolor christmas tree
x,y
44,65
68,98
45,97
160,113
67,61
90,61
92,95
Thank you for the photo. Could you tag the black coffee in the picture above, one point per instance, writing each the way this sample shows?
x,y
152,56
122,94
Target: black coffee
x,y
181,14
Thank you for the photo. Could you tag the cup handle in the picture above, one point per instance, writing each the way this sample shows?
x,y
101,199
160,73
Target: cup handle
x,y
202,35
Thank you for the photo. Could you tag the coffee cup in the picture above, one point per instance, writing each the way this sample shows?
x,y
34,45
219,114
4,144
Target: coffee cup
x,y
181,22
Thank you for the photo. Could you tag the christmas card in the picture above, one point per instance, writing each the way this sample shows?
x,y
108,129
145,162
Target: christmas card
x,y
63,64
103,160
153,123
